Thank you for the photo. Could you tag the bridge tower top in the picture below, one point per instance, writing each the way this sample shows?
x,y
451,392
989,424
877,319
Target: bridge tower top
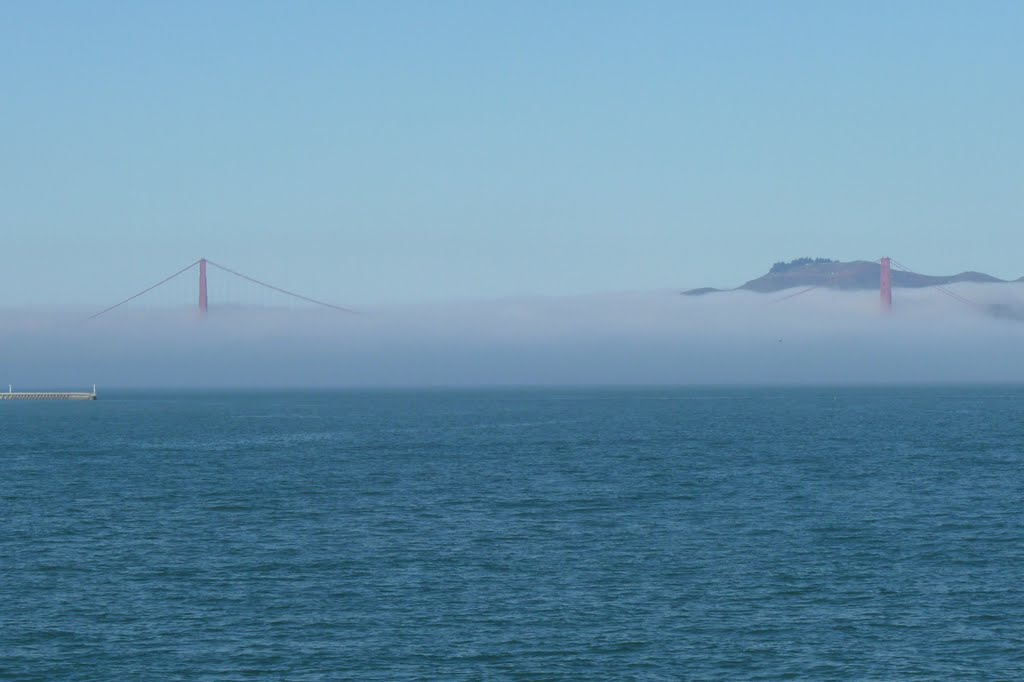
x,y
885,289
202,286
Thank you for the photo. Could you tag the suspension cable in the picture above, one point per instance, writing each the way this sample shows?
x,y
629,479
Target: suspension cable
x,y
941,289
144,291
280,290
833,278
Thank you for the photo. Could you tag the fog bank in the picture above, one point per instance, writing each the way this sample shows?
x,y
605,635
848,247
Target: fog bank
x,y
821,337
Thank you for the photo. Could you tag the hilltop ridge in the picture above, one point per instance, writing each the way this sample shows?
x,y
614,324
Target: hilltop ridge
x,y
848,275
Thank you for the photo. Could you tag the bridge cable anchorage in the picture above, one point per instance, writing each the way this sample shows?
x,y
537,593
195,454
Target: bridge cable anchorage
x,y
955,296
144,291
834,278
280,290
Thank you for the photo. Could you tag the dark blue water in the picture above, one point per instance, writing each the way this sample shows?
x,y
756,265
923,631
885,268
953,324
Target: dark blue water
x,y
521,534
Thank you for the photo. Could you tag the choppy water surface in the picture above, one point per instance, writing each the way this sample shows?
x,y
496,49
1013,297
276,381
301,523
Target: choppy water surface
x,y
524,534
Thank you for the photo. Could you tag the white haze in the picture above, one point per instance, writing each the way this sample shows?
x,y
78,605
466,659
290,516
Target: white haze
x,y
822,337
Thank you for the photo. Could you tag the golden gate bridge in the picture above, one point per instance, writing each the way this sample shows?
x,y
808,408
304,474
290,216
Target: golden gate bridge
x,y
203,266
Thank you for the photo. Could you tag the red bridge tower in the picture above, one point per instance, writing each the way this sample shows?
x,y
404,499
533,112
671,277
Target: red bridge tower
x,y
202,286
886,285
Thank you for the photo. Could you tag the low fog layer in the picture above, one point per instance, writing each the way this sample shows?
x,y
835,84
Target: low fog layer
x,y
820,337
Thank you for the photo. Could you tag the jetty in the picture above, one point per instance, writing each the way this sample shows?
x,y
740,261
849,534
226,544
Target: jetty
x,y
48,395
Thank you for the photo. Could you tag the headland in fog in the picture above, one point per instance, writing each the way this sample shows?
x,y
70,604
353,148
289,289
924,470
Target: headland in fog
x,y
834,274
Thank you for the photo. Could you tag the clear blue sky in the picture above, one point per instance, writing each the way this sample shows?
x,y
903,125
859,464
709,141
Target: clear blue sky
x,y
370,152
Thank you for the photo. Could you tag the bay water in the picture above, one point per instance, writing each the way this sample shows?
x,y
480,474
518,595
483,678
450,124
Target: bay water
x,y
869,533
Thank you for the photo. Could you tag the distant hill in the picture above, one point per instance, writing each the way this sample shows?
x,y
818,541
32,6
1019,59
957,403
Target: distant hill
x,y
858,274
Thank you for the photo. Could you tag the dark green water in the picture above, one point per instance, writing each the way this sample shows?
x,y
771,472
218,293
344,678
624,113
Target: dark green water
x,y
520,534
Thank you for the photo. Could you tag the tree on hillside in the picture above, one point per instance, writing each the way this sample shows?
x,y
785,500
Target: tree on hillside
x,y
782,266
